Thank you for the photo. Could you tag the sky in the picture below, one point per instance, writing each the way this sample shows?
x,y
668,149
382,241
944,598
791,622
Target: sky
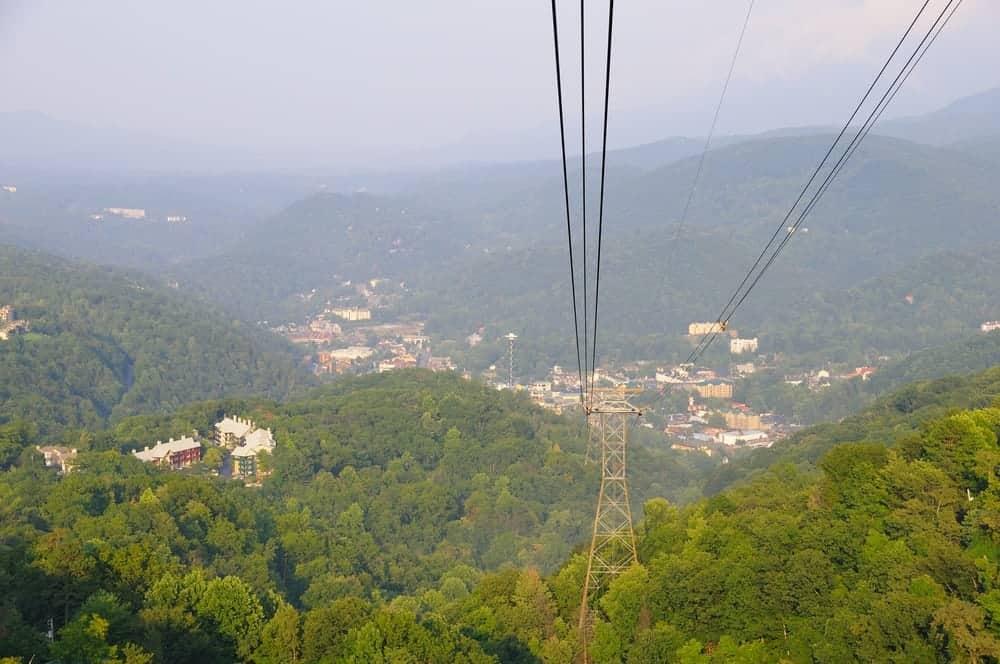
x,y
463,77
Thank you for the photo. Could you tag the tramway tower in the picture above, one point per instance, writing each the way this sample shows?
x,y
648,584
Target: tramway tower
x,y
612,545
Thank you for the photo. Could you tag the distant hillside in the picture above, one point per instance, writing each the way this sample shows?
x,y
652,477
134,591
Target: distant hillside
x,y
930,302
973,117
895,203
813,303
768,392
105,344
891,418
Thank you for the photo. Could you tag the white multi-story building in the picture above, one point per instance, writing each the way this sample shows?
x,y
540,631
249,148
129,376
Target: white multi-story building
x,y
351,313
734,438
245,456
990,326
740,346
127,213
231,431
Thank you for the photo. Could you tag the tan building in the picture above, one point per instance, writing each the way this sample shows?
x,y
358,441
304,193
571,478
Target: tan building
x,y
714,390
742,420
403,361
697,329
58,457
9,325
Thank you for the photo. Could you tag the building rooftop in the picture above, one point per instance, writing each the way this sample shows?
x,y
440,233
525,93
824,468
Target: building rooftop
x,y
162,450
261,439
236,426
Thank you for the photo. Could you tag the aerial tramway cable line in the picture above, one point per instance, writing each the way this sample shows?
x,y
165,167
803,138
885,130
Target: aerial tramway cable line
x,y
587,349
757,269
678,228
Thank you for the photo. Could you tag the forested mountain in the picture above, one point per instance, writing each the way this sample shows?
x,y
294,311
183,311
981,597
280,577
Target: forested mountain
x,y
416,486
967,119
896,210
405,483
105,344
897,204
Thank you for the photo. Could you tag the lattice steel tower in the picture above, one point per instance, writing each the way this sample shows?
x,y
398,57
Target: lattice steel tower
x,y
511,338
612,546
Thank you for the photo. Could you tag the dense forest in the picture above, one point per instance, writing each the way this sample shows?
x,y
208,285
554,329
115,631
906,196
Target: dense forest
x,y
105,344
418,518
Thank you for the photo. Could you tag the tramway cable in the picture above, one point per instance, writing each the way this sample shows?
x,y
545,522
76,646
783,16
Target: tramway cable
x,y
569,225
583,176
726,314
852,147
600,212
711,134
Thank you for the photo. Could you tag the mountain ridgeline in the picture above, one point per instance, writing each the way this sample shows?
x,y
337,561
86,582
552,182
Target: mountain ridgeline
x,y
902,219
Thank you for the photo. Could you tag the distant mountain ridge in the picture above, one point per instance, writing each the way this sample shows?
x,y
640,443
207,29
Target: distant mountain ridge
x,y
973,117
34,140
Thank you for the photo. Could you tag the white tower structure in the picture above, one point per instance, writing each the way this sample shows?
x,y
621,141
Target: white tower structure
x,y
511,338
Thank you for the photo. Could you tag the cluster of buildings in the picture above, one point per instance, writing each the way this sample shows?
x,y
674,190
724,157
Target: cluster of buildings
x,y
722,432
364,347
241,438
703,382
822,378
319,332
9,188
137,214
990,326
10,325
737,345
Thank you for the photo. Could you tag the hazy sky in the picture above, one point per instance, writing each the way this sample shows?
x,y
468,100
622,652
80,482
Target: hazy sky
x,y
397,74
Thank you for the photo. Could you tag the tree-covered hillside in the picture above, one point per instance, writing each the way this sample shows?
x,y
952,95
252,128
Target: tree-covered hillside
x,y
767,391
406,483
887,550
871,243
900,412
105,344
